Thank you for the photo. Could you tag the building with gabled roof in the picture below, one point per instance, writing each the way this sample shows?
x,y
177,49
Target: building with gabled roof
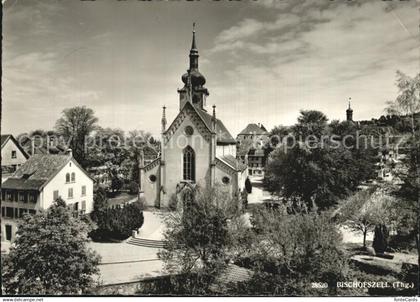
x,y
250,150
196,148
37,183
12,155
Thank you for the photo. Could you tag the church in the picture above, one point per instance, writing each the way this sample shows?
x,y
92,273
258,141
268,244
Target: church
x,y
196,148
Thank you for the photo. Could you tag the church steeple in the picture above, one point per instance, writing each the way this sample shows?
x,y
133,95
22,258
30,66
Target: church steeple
x,y
349,113
193,90
194,52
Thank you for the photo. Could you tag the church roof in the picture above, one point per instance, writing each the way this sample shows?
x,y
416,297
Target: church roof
x,y
222,134
223,137
253,129
232,162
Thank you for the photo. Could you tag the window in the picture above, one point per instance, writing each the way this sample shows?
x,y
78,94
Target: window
x,y
76,206
8,232
83,211
9,196
55,195
22,212
73,177
189,164
67,177
70,193
189,130
9,212
32,197
32,212
83,190
3,211
225,180
152,178
22,196
13,154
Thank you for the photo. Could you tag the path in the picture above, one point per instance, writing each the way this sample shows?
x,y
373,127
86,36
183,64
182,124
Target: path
x,y
258,195
122,262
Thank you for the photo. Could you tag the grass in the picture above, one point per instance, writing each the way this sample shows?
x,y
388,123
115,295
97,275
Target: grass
x,y
120,198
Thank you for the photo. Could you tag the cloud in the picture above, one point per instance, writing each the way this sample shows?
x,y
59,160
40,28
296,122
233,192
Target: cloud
x,y
245,28
316,57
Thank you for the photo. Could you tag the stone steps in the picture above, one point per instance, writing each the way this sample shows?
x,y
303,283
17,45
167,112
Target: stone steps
x,y
146,242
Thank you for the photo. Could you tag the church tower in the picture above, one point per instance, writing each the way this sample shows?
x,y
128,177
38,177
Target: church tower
x,y
193,90
349,113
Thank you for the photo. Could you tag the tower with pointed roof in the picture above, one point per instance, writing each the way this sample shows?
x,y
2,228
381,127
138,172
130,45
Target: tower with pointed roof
x,y
349,112
196,148
193,90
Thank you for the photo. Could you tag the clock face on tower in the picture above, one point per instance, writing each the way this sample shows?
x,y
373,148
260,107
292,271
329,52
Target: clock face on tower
x,y
189,130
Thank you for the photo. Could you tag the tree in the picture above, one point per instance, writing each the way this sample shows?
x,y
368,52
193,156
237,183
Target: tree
x,y
50,256
291,251
310,122
75,125
408,100
116,183
198,240
320,175
117,223
323,170
100,201
366,209
106,145
408,208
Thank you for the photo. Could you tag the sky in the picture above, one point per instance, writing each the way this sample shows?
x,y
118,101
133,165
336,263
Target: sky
x,y
263,60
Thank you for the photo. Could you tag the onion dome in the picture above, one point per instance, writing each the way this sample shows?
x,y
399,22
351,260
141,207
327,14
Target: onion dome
x,y
197,79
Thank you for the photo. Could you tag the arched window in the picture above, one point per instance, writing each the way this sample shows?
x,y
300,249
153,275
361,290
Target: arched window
x,y
67,177
73,177
189,164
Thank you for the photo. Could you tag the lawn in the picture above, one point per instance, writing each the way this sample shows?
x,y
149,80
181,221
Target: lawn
x,y
121,198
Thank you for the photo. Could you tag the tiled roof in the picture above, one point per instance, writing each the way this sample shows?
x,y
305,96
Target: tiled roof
x,y
222,134
4,138
23,184
253,129
36,171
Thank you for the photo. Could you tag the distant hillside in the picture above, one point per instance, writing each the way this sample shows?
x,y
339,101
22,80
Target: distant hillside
x,y
399,123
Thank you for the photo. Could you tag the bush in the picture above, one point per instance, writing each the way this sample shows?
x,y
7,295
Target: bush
x,y
117,223
290,251
244,198
100,201
133,188
248,186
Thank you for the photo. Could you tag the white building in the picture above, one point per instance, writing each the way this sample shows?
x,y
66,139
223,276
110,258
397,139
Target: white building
x,y
196,148
38,183
12,155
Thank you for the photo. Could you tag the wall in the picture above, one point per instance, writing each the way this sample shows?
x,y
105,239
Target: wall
x,y
227,188
222,150
152,189
174,158
59,183
14,221
6,154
